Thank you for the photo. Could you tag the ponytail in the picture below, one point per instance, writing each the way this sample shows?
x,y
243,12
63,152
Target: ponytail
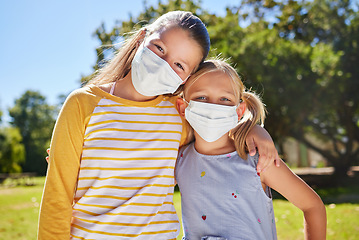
x,y
254,114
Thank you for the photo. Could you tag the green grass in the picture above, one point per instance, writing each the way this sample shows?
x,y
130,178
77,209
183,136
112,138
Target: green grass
x,y
343,220
19,208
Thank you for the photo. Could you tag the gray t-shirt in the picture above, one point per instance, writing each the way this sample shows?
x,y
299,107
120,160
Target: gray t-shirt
x,y
222,196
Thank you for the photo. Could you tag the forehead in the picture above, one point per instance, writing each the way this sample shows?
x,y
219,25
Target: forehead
x,y
213,81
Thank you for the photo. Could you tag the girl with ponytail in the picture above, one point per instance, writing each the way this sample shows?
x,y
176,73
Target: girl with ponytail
x,y
223,197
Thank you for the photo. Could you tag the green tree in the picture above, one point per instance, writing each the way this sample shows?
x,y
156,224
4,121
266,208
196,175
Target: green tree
x,y
35,120
12,152
306,59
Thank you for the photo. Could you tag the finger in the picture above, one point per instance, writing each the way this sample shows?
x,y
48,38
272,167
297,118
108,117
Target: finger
x,y
261,162
277,161
48,150
268,162
265,167
47,159
251,147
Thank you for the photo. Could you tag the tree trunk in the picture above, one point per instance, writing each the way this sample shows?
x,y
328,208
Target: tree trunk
x,y
340,175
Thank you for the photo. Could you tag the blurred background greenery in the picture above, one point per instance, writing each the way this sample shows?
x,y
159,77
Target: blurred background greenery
x,y
301,56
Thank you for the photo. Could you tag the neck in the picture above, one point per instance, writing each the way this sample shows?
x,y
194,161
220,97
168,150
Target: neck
x,y
125,89
221,146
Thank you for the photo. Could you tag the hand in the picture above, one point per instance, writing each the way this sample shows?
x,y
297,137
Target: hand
x,y
259,138
48,153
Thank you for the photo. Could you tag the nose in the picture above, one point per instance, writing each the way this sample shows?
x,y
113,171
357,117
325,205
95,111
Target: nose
x,y
167,59
172,65
211,101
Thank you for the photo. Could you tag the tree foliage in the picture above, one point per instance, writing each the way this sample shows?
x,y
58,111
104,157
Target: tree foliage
x,y
301,55
313,51
35,120
12,152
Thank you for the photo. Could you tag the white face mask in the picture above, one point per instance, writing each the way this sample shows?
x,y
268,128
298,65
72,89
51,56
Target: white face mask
x,y
151,75
211,121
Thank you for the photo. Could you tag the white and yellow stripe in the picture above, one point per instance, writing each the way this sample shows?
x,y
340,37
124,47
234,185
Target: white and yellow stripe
x,y
126,178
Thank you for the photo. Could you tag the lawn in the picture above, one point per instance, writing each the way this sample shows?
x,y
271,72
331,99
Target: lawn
x,y
19,208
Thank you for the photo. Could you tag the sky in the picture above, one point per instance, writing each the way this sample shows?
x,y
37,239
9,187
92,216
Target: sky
x,y
47,46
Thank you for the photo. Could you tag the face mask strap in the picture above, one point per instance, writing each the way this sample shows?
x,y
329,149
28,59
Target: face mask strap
x,y
187,78
185,99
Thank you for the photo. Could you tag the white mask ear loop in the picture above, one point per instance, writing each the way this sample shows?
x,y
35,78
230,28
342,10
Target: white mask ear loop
x,y
185,100
186,78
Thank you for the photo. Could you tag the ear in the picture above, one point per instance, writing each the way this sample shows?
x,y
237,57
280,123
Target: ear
x,y
241,109
142,35
181,106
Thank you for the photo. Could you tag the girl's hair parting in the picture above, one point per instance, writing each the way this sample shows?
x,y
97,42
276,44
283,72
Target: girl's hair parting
x,y
120,65
255,109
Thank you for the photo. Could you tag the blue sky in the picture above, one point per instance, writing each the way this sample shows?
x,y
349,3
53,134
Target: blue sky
x,y
47,45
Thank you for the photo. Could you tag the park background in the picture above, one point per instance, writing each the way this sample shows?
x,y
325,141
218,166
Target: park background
x,y
301,56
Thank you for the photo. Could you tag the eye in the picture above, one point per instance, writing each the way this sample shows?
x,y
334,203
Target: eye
x,y
224,99
159,48
200,99
179,66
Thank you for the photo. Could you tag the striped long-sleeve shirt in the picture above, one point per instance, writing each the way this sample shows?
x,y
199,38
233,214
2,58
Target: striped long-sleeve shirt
x,y
111,169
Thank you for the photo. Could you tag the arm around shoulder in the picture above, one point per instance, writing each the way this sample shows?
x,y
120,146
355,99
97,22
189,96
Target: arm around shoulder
x,y
259,138
293,188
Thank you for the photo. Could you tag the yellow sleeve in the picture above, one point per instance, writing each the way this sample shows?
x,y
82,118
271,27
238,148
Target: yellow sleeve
x,y
64,162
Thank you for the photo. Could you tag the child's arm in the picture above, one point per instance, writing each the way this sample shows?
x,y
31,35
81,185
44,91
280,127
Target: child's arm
x,y
64,161
259,138
293,188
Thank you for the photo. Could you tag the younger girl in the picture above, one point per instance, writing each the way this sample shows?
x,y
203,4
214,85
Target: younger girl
x,y
115,143
222,195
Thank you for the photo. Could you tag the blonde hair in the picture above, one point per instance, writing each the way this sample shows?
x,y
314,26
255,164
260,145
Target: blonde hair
x,y
120,65
255,109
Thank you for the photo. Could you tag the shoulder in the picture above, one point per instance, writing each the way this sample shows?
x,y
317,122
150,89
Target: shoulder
x,y
171,98
85,95
81,101
84,92
184,151
182,162
183,154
